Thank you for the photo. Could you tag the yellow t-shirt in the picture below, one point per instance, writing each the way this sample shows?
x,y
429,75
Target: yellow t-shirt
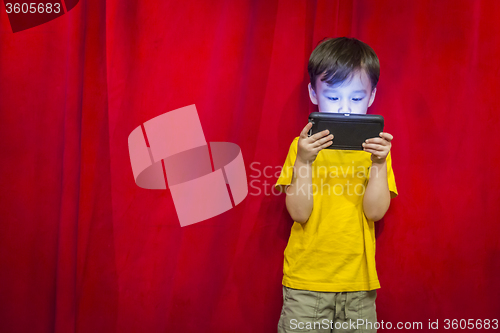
x,y
335,249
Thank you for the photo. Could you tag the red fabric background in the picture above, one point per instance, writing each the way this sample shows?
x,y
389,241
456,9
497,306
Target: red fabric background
x,y
83,249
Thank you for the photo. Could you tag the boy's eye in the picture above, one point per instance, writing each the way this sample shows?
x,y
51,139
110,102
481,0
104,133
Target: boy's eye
x,y
357,99
333,98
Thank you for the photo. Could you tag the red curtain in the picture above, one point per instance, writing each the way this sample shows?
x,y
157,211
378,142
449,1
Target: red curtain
x,y
84,249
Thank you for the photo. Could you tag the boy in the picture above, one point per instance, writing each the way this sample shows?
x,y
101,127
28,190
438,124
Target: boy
x,y
334,198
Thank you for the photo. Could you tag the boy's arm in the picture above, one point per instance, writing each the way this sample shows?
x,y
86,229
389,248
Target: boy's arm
x,y
377,197
299,199
299,196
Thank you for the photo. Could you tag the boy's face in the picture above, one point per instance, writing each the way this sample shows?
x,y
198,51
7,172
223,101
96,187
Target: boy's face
x,y
354,95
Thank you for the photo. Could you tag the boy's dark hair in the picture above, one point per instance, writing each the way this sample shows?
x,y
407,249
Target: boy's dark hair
x,y
341,57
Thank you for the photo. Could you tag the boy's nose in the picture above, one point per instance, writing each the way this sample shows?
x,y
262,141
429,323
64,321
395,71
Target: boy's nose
x,y
345,107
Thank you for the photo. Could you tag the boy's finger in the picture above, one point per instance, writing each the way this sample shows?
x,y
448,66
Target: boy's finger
x,y
324,145
319,135
386,136
377,154
321,141
376,140
306,129
371,151
373,146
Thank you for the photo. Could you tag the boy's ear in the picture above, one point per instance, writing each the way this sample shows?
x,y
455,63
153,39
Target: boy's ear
x,y
312,94
372,96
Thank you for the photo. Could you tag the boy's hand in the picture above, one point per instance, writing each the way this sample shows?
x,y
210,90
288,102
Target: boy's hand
x,y
379,147
309,146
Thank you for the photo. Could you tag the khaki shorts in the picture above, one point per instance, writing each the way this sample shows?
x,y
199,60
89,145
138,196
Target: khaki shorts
x,y
314,311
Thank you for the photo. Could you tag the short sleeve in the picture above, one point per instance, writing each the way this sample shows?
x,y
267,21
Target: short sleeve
x,y
286,174
390,177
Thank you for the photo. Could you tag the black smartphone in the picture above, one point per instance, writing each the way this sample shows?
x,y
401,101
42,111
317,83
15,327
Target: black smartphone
x,y
349,130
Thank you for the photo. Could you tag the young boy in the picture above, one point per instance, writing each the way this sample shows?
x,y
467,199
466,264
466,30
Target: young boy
x,y
334,198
